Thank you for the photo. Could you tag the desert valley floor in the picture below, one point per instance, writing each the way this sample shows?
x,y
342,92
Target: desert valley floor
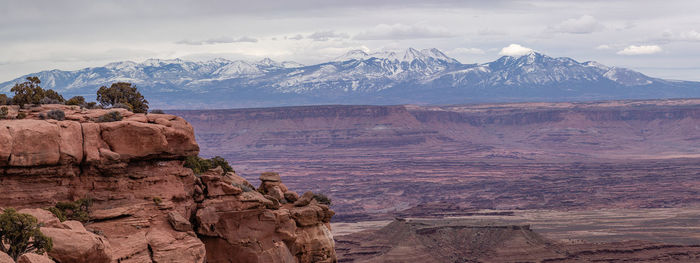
x,y
574,171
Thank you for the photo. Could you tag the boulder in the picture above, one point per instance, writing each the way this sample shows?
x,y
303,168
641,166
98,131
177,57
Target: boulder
x,y
291,196
34,143
314,244
5,258
43,216
77,245
179,222
34,258
305,199
175,247
270,177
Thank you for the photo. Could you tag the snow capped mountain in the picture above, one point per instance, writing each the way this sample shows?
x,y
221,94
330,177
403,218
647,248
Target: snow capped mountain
x,y
387,77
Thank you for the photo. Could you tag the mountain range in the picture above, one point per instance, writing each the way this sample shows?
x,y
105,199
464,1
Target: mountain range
x,y
413,76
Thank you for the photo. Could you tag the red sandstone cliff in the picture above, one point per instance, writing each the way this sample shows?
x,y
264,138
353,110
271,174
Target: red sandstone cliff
x,y
147,206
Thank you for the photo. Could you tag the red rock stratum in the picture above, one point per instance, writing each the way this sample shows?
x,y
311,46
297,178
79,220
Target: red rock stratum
x,y
147,207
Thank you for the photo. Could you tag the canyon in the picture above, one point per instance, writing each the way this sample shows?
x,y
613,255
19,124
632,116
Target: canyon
x,y
607,180
407,160
143,204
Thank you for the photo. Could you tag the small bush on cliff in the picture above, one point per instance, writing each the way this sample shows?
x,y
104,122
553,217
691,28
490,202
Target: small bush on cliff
x,y
56,115
122,93
20,234
78,210
3,113
29,92
76,101
4,100
157,200
200,165
21,115
157,111
322,199
110,117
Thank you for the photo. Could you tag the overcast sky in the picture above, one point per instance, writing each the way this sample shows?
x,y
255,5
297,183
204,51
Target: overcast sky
x,y
658,38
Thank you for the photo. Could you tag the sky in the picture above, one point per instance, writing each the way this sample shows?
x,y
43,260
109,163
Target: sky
x,y
658,38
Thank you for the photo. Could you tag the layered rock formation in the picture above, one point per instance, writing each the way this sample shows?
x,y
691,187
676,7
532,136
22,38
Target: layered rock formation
x,y
146,206
451,240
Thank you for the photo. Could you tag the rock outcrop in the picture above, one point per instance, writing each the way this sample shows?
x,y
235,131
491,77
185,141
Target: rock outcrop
x,y
146,206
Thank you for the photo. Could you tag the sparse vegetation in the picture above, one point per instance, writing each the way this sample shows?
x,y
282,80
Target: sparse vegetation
x,y
122,93
56,115
200,165
322,199
157,111
77,210
4,100
3,113
77,101
21,115
29,92
157,200
20,234
110,117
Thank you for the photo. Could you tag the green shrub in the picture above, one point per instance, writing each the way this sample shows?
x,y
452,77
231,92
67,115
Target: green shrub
x,y
77,101
92,105
3,113
200,165
77,210
157,200
21,115
56,115
4,99
58,213
110,117
22,234
124,93
322,199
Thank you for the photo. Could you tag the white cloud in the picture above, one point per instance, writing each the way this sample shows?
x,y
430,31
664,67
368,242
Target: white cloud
x,y
218,40
467,50
401,31
603,47
640,50
326,35
515,50
583,25
690,35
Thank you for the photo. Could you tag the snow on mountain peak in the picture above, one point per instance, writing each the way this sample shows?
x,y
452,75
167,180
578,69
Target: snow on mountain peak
x,y
409,55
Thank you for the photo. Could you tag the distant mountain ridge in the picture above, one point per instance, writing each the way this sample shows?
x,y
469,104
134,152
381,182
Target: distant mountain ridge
x,y
425,76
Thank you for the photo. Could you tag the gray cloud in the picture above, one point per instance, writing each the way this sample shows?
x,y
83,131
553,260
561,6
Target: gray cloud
x,y
218,40
326,35
42,34
401,32
585,24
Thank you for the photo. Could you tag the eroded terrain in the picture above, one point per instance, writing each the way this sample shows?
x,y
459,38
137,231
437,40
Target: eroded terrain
x,y
381,161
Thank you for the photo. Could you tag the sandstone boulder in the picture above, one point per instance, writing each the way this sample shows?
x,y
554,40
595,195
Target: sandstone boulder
x,y
305,199
179,222
34,258
34,143
168,246
270,177
44,217
77,244
5,258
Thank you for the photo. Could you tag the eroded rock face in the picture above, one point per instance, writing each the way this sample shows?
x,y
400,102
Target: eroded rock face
x,y
252,226
147,207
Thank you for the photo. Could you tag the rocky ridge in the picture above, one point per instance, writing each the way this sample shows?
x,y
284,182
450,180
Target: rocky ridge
x,y
146,206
